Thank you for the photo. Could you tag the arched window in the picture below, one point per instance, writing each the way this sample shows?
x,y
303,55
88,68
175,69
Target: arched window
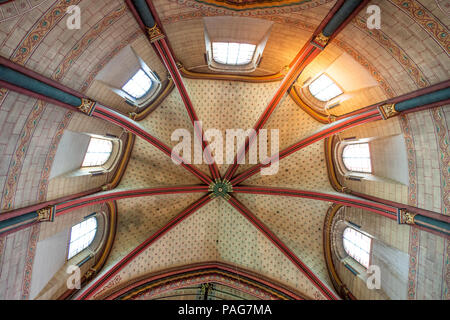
x,y
324,89
98,152
81,236
232,53
356,157
139,85
357,246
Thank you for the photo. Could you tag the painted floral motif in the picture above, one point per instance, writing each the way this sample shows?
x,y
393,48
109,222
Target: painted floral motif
x,y
414,241
398,53
444,156
411,153
117,279
275,7
40,30
427,21
26,285
19,156
250,4
81,46
3,93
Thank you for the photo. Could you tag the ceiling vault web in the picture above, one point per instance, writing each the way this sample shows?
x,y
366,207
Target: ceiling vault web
x,y
142,13
96,286
25,81
432,96
320,135
282,247
326,31
219,272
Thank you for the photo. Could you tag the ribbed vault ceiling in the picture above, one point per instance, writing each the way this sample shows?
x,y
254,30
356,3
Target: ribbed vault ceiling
x,y
218,232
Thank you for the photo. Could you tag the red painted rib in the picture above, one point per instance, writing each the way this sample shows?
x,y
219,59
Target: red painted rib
x,y
282,247
134,127
308,53
327,131
107,196
125,261
352,201
171,66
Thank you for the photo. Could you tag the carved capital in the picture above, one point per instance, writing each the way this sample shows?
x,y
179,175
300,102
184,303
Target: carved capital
x,y
388,111
46,214
155,34
405,217
321,40
87,106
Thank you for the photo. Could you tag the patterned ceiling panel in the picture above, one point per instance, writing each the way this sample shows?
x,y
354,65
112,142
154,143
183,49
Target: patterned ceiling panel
x,y
139,218
292,123
291,219
305,169
168,117
226,105
150,167
243,245
216,233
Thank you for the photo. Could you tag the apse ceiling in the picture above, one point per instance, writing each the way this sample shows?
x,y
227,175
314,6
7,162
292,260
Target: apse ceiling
x,y
278,238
